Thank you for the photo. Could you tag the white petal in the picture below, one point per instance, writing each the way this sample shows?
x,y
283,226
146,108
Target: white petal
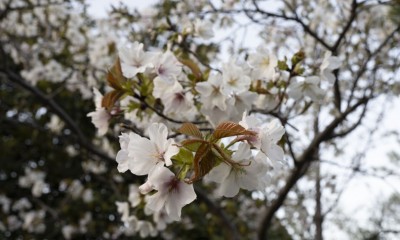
x,y
334,63
146,187
170,152
144,156
173,209
250,122
243,153
122,160
275,153
313,80
329,76
229,187
128,70
294,90
187,193
158,134
275,130
97,98
156,201
315,93
219,173
248,179
100,120
204,88
159,177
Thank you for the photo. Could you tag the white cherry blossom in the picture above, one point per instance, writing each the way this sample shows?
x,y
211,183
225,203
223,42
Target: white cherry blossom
x,y
148,153
268,101
211,92
146,187
215,115
123,209
307,87
267,136
329,63
167,67
100,117
252,123
232,179
33,221
172,194
241,102
55,124
134,60
263,63
270,135
123,158
234,78
35,180
173,96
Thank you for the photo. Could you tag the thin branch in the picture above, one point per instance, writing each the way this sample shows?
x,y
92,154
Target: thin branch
x,y
250,12
352,127
368,59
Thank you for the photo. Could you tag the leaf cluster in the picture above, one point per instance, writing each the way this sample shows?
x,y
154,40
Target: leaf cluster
x,y
208,150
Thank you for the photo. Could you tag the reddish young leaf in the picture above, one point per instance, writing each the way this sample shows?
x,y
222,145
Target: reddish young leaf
x,y
203,162
191,130
113,81
115,78
110,98
229,129
118,69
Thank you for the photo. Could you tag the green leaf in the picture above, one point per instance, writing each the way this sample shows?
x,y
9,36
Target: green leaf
x,y
191,130
298,57
184,156
282,65
225,155
229,129
192,144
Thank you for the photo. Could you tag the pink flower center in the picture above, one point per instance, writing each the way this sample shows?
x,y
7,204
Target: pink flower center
x,y
179,97
173,185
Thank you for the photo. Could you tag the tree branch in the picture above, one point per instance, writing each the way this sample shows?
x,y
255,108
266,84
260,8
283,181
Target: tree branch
x,y
57,109
353,15
302,166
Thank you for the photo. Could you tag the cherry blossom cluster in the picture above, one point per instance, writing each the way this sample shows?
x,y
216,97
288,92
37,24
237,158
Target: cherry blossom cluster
x,y
158,91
